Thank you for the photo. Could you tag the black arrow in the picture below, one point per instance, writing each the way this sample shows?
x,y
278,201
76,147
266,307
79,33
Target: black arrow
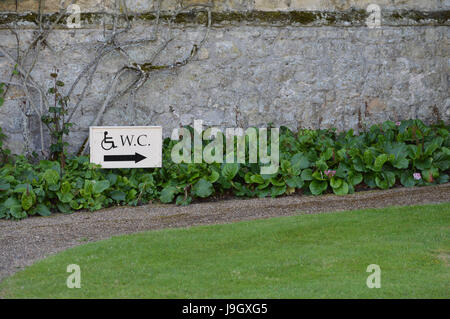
x,y
124,158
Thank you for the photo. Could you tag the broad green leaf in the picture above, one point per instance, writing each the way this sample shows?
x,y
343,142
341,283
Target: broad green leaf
x,y
300,161
379,162
17,212
325,156
66,187
4,186
74,205
257,179
355,178
390,177
400,152
342,171
203,188
22,188
45,165
321,165
359,165
42,210
368,157
369,179
307,174
285,166
248,177
319,175
434,145
385,180
277,190
400,163
413,151
167,194
12,202
183,201
441,161
442,179
54,187
87,188
336,182
318,187
381,183
65,197
277,182
430,174
423,164
295,181
99,186
3,212
213,177
117,195
112,178
407,179
263,185
342,189
388,125
398,149
65,208
263,193
51,177
131,195
229,170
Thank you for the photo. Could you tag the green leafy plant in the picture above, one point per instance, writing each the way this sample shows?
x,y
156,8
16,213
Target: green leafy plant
x,y
55,121
312,162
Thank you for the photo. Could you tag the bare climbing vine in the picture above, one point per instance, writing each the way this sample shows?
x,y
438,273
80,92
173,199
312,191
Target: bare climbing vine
x,y
24,59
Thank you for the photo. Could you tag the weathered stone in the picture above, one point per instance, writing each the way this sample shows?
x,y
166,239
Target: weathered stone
x,y
295,69
226,5
203,54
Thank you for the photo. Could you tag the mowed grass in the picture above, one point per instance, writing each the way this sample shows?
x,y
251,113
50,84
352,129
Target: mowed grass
x,y
305,256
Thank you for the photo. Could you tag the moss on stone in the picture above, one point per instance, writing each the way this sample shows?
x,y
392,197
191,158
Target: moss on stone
x,y
89,17
147,67
31,17
7,18
352,17
148,16
440,17
305,17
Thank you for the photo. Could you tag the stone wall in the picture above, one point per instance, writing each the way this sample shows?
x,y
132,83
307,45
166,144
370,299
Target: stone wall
x,y
300,63
230,5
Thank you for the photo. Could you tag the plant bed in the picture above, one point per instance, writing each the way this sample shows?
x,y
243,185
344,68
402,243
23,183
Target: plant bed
x,y
312,162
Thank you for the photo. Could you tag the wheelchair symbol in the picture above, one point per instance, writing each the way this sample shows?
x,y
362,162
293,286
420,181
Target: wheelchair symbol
x,y
108,141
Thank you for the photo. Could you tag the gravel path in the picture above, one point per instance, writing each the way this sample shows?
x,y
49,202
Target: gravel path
x,y
26,241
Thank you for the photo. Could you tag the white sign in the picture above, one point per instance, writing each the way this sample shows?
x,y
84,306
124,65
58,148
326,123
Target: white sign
x,y
126,146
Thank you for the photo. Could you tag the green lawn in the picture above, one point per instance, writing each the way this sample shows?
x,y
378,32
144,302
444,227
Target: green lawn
x,y
306,256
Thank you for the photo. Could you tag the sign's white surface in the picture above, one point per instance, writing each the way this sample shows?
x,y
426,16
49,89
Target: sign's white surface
x,y
126,146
